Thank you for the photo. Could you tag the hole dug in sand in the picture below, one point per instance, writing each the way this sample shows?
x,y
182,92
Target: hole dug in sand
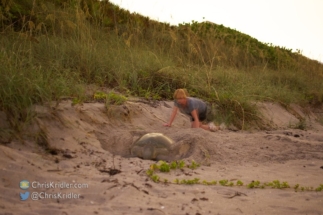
x,y
152,146
129,122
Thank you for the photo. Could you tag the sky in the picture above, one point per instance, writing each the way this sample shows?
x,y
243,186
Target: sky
x,y
294,24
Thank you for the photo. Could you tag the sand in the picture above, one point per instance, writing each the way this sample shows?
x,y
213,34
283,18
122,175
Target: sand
x,y
88,145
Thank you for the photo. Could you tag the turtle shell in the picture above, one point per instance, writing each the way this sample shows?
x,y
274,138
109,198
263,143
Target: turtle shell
x,y
151,145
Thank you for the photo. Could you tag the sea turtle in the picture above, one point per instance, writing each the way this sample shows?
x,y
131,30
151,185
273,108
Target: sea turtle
x,y
152,146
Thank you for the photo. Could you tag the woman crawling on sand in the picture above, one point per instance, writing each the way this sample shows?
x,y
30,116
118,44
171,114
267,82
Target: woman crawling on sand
x,y
193,107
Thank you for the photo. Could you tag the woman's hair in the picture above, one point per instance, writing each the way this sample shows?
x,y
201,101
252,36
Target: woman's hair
x,y
180,94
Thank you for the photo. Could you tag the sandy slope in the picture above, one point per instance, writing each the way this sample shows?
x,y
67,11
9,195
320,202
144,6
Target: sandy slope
x,y
87,141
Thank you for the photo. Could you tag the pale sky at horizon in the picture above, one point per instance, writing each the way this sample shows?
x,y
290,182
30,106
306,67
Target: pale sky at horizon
x,y
294,24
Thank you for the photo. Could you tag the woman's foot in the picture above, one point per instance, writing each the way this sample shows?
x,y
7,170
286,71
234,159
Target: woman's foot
x,y
213,127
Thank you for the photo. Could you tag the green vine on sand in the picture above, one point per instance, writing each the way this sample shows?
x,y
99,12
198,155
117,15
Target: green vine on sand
x,y
165,167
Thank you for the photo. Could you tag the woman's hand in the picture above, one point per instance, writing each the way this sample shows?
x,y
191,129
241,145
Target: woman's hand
x,y
196,122
167,125
174,112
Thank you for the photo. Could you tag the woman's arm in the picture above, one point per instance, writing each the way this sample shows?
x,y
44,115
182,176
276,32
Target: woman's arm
x,y
172,117
196,122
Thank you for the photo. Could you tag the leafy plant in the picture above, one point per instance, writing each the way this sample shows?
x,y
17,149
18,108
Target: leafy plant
x,y
190,181
239,183
223,182
100,96
285,185
254,184
154,167
276,184
296,187
209,182
149,172
76,101
319,188
155,178
181,164
173,165
193,165
164,167
114,98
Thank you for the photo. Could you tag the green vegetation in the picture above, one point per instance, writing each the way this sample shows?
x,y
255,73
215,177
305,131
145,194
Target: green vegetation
x,y
188,181
319,188
164,167
239,183
209,182
223,182
54,49
254,184
193,165
114,98
110,98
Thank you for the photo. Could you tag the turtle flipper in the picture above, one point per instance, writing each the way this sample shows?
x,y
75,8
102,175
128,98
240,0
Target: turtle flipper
x,y
148,153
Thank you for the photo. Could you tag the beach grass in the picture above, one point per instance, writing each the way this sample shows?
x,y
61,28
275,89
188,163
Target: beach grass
x,y
51,50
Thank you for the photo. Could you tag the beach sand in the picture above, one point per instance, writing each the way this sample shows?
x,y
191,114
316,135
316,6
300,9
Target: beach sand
x,y
88,146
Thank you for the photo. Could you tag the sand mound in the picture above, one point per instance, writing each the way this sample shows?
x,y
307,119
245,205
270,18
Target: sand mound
x,y
90,144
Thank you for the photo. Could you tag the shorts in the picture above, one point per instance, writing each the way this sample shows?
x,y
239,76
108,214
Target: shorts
x,y
202,116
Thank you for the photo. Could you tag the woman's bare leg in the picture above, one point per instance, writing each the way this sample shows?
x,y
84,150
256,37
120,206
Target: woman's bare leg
x,y
203,126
